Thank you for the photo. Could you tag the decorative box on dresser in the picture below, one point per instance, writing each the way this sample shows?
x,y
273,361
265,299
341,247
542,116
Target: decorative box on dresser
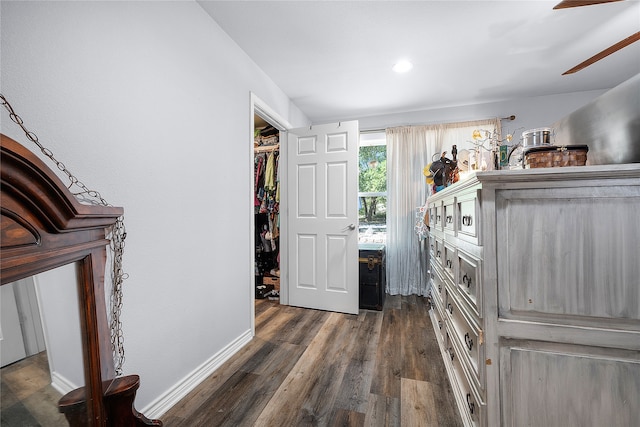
x,y
535,290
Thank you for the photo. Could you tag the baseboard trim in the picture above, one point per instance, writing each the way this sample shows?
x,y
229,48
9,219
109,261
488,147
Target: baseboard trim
x,y
162,404
61,383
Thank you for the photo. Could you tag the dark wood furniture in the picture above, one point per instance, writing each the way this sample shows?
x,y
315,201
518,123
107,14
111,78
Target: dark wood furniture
x,y
43,226
372,275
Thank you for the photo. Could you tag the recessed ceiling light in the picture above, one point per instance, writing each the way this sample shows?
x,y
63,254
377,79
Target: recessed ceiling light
x,y
402,66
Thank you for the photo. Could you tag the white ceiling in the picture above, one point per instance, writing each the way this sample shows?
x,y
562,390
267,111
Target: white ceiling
x,y
334,58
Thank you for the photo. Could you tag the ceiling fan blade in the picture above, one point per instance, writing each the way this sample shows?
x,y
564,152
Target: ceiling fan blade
x,y
608,51
564,4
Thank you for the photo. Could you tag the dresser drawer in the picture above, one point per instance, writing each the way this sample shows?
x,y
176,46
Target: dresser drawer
x,y
469,338
432,246
438,216
471,405
448,216
437,284
470,281
439,253
438,313
468,217
449,260
432,214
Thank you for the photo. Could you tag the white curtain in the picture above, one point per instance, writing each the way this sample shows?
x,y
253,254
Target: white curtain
x,y
409,150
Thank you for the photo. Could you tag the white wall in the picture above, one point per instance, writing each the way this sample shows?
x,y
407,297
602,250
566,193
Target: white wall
x,y
530,113
59,309
149,103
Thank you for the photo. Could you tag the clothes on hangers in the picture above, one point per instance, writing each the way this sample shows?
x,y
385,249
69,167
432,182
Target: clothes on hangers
x,y
258,172
267,194
267,205
270,173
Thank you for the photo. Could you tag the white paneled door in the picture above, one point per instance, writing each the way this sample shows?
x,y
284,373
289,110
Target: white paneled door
x,y
323,217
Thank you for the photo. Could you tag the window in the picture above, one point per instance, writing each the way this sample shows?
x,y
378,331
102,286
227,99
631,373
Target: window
x,y
372,188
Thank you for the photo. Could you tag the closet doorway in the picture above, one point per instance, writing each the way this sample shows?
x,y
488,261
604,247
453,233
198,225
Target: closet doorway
x,y
268,205
318,180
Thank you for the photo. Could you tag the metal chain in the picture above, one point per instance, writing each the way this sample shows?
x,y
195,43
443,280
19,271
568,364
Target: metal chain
x,y
118,276
116,235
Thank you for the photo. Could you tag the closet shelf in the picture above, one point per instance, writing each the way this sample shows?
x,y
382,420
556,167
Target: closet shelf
x,y
266,148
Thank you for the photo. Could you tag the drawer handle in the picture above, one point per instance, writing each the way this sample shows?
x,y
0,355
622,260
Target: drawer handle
x,y
449,263
432,247
451,353
439,288
466,280
449,219
439,324
467,220
437,218
470,404
438,254
450,308
468,341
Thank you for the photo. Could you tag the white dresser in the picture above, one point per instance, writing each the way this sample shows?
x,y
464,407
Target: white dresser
x,y
535,290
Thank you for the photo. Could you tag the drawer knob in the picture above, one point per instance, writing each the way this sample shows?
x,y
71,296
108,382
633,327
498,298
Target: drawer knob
x,y
466,280
438,254
451,353
439,324
467,220
439,287
470,404
468,341
450,308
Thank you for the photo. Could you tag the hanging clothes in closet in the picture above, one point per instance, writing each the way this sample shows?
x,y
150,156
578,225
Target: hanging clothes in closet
x,y
267,219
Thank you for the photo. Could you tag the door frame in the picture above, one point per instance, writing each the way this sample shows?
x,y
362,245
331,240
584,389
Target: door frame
x,y
263,110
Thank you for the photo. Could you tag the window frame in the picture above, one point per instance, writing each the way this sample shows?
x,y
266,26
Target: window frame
x,y
372,142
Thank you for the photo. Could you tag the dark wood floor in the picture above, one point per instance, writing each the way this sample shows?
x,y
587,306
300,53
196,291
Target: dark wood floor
x,y
303,368
316,368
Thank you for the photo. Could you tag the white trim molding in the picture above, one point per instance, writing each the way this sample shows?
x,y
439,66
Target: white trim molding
x,y
61,383
263,110
162,404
